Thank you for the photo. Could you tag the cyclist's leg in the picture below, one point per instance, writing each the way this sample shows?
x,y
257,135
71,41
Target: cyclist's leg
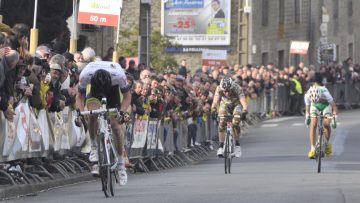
x,y
113,101
312,135
327,120
93,103
327,129
222,122
236,123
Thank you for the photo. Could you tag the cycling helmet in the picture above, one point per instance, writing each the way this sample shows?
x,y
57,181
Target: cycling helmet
x,y
226,83
314,94
101,81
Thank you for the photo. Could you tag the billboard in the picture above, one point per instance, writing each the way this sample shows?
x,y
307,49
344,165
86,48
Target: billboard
x,y
196,22
99,12
214,58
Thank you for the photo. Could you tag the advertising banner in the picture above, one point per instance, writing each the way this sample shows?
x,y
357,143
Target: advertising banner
x,y
299,47
197,22
140,131
100,12
214,58
151,135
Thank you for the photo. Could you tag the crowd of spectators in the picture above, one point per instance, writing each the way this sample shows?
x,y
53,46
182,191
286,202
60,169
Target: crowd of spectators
x,y
49,80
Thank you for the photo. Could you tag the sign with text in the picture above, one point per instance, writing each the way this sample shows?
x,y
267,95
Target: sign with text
x,y
197,22
99,12
299,47
214,58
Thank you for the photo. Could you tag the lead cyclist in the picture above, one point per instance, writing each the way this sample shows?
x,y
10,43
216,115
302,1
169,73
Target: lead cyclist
x,y
318,98
105,79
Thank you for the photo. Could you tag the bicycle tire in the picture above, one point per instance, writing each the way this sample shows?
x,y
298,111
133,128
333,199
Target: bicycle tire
x,y
225,153
112,173
320,154
103,167
231,146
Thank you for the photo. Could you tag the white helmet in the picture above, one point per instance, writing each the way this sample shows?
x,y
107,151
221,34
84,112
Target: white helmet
x,y
226,83
314,93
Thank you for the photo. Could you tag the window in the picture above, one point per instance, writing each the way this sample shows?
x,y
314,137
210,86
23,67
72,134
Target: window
x,y
264,58
297,11
350,8
335,9
265,12
351,50
281,55
281,11
297,59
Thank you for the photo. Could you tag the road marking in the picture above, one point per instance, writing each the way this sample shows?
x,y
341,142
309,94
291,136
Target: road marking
x,y
269,125
276,120
298,124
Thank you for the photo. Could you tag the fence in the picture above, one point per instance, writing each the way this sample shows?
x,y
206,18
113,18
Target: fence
x,y
150,143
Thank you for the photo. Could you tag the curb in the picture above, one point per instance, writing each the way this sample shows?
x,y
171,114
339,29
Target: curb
x,y
31,189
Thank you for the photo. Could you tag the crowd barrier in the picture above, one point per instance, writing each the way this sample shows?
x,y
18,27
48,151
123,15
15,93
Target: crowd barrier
x,y
155,143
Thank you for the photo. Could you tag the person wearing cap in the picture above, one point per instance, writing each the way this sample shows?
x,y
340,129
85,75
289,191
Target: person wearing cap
x,y
54,98
43,52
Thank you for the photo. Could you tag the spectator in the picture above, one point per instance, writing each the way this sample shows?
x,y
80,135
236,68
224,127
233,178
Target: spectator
x,y
109,54
183,69
88,55
131,69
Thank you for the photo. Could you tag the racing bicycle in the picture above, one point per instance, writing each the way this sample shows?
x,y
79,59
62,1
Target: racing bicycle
x,y
108,156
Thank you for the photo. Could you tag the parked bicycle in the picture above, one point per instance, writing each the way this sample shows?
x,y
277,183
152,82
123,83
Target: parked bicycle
x,y
108,157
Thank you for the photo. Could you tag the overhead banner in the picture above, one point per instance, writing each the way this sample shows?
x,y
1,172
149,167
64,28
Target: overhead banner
x,y
214,58
299,47
197,22
100,12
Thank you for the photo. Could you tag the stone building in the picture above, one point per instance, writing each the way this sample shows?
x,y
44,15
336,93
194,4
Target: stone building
x,y
262,32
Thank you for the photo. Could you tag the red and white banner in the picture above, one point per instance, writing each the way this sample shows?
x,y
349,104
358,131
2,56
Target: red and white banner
x,y
100,12
140,132
214,58
299,47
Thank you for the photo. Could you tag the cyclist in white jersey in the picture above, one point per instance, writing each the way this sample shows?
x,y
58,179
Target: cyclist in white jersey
x,y
318,98
105,79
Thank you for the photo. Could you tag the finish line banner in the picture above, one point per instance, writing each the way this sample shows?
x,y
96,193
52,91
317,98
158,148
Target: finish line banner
x,y
100,12
196,22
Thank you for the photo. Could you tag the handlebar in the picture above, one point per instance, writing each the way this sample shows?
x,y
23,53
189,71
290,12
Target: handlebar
x,y
97,111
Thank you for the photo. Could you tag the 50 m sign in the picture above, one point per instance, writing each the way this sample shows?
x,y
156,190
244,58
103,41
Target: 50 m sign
x,y
99,12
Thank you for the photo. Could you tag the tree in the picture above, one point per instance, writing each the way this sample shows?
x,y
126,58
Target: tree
x,y
51,19
159,59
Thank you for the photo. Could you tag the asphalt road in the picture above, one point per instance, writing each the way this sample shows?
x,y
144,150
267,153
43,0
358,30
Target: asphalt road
x,y
273,168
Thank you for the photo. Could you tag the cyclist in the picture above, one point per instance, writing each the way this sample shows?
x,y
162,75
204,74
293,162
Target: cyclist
x,y
105,79
232,103
318,98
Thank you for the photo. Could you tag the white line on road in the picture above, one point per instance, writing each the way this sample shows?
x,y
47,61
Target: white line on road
x,y
276,120
298,124
269,125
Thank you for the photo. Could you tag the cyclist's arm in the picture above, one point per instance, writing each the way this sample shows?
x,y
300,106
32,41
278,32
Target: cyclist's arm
x,y
80,98
216,99
334,108
126,101
307,104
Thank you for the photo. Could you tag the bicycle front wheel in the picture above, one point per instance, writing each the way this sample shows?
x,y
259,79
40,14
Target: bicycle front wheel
x,y
104,166
227,155
319,153
112,173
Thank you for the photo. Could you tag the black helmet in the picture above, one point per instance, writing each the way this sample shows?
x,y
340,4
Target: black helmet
x,y
226,83
101,81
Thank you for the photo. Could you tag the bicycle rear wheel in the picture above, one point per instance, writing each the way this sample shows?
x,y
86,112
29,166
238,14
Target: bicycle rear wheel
x,y
104,166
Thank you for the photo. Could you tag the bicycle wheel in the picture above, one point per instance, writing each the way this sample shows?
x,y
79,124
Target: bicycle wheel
x,y
320,152
226,152
104,169
231,151
112,173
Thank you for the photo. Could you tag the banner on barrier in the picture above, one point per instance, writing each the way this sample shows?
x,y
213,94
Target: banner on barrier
x,y
140,131
151,135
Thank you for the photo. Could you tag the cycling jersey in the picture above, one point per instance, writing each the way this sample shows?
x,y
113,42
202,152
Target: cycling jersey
x,y
325,97
117,74
236,92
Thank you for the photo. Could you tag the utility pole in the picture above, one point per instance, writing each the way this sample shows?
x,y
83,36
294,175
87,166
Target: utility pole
x,y
144,32
243,32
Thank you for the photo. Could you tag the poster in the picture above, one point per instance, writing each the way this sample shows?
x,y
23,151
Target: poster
x,y
197,22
